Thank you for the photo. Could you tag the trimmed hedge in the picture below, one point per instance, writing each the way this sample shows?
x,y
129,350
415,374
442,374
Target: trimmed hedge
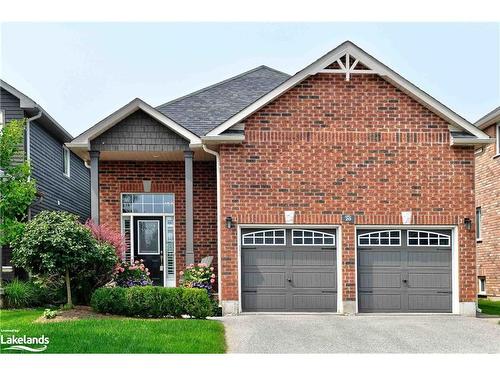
x,y
152,302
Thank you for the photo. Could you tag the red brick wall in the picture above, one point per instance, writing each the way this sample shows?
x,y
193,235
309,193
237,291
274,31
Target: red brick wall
x,y
116,177
488,198
362,147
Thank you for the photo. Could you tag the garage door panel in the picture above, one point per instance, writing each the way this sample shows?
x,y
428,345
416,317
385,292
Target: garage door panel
x,y
429,280
379,258
264,280
315,302
435,258
379,280
313,257
404,278
379,302
314,279
264,302
263,258
429,302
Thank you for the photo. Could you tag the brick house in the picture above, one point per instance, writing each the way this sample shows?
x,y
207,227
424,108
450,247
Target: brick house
x,y
488,208
343,188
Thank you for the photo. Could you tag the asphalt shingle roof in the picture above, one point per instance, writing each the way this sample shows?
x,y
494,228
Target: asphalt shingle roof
x,y
203,110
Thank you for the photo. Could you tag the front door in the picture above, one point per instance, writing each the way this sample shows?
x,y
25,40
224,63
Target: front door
x,y
148,245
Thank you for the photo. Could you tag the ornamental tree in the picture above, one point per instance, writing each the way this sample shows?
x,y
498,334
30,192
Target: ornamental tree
x,y
17,190
55,243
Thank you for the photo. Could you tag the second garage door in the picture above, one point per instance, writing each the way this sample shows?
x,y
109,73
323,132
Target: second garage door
x,y
404,270
288,270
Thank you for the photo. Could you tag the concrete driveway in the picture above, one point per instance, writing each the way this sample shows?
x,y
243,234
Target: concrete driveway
x,y
361,334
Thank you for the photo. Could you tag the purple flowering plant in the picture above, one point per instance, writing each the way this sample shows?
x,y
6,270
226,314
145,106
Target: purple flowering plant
x,y
131,274
198,276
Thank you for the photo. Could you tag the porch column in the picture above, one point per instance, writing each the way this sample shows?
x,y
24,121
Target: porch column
x,y
94,186
188,167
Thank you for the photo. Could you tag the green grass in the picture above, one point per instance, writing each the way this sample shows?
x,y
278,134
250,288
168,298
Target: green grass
x,y
120,335
489,307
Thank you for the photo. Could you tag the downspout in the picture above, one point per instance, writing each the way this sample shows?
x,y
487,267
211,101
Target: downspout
x,y
28,146
219,246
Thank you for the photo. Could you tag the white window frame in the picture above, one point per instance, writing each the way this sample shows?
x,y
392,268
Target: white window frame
x,y
148,213
66,161
497,127
440,235
323,236
481,285
2,119
251,235
367,234
479,215
159,236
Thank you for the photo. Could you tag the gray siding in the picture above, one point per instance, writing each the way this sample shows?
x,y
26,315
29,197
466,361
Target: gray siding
x,y
58,191
11,106
139,132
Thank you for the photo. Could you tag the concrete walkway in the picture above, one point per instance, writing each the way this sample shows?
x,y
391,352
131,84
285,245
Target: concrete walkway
x,y
361,334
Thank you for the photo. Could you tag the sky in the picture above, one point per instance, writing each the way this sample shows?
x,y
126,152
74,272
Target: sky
x,y
82,72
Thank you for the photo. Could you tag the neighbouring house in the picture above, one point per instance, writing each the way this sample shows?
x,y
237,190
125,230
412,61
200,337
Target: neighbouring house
x,y
62,179
343,188
488,208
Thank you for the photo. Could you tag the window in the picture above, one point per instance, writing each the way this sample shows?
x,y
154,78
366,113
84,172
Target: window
x,y
478,223
148,203
482,285
2,119
149,237
265,237
66,161
423,238
312,238
498,139
380,238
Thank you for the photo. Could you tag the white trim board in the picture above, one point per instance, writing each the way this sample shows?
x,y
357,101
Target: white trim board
x,y
376,67
83,140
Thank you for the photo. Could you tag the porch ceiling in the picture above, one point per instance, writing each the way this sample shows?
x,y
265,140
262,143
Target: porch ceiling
x,y
199,155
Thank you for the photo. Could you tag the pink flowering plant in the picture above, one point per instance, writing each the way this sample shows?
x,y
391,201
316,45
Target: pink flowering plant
x,y
131,274
198,276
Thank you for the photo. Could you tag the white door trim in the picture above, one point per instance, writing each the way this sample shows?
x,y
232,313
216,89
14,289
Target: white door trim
x,y
455,290
338,244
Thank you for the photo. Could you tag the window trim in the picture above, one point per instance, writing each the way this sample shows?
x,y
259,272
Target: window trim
x,y
252,235
328,235
147,213
2,118
67,161
139,242
429,245
497,127
481,280
380,231
478,223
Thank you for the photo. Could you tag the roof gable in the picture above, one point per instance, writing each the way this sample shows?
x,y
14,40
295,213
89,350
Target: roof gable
x,y
349,59
204,109
489,119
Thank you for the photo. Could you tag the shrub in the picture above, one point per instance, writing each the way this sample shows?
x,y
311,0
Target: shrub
x,y
19,294
152,302
198,276
103,233
128,275
49,314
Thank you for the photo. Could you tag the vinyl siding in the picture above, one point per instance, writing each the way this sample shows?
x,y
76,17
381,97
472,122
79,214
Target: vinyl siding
x,y
58,191
11,106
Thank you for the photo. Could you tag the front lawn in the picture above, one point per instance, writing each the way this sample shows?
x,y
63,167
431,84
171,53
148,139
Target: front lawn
x,y
489,307
118,335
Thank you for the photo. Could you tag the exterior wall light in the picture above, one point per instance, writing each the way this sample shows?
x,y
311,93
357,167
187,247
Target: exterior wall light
x,y
147,185
468,223
229,222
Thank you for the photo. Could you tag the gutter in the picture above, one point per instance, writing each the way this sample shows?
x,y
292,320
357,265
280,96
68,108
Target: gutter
x,y
219,246
28,133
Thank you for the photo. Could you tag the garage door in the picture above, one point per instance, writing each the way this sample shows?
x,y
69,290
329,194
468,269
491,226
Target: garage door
x,y
404,270
288,270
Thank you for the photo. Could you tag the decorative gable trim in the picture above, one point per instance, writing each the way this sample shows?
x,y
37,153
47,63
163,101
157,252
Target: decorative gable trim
x,y
349,59
83,140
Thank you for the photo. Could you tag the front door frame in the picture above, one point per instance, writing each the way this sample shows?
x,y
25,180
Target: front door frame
x,y
455,297
338,246
164,223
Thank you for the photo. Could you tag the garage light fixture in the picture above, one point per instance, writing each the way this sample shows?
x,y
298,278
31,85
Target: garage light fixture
x,y
468,223
229,222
